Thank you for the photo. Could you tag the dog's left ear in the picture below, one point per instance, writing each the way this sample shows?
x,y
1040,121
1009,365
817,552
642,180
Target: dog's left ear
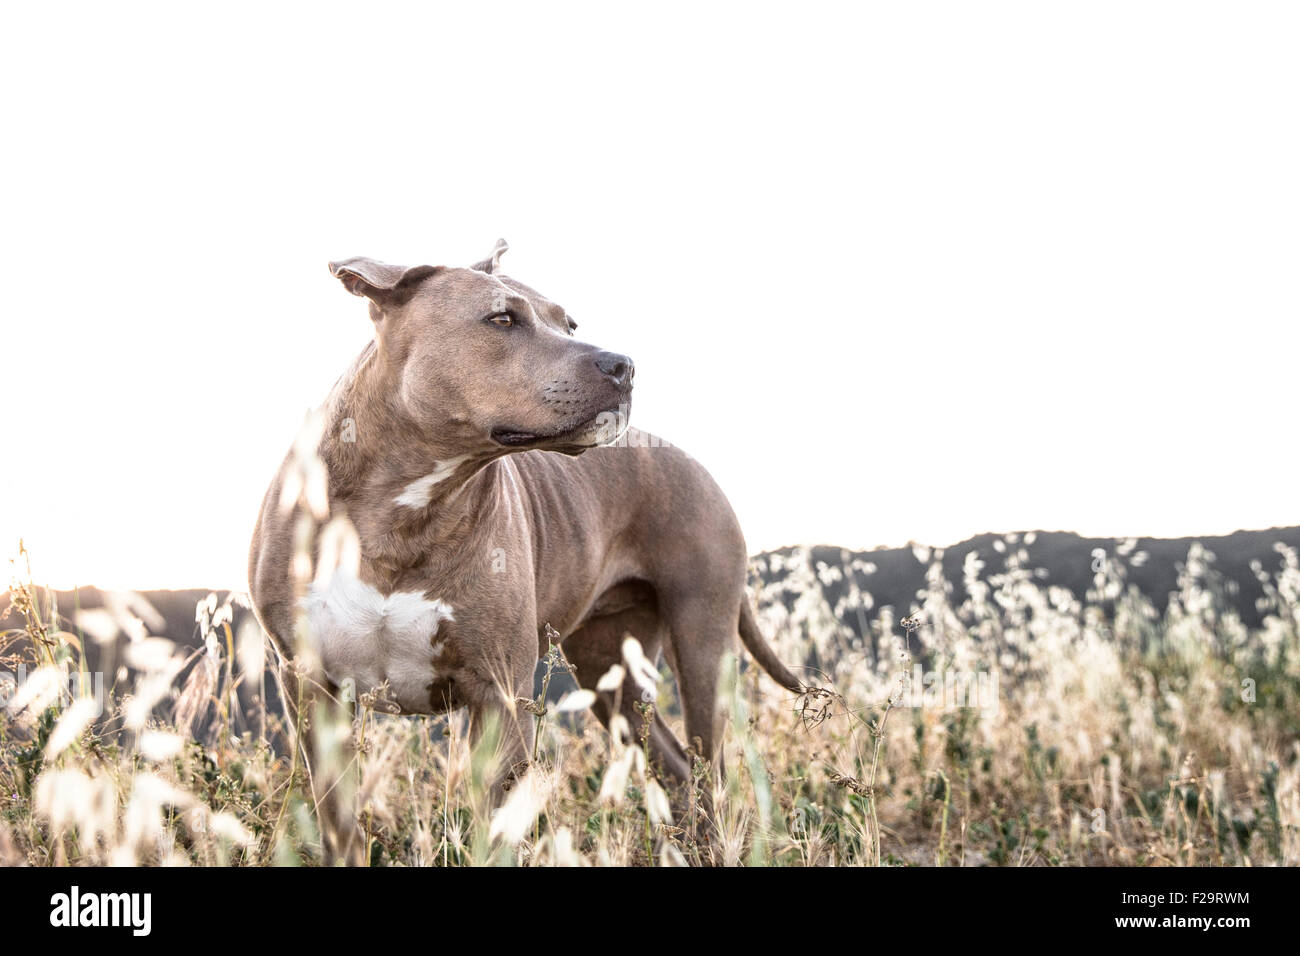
x,y
492,263
376,280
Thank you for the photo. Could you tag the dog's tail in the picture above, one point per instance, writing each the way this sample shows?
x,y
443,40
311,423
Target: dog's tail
x,y
762,652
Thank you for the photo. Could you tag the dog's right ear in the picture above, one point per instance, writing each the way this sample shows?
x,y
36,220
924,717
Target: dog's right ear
x,y
492,264
377,281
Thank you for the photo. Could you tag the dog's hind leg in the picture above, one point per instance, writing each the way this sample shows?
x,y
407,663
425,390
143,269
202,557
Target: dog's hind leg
x,y
702,631
701,628
597,646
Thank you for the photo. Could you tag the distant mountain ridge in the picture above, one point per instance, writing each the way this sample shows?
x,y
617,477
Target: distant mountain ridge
x,y
1068,559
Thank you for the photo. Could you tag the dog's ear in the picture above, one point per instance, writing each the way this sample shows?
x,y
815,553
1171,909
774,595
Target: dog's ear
x,y
377,281
493,262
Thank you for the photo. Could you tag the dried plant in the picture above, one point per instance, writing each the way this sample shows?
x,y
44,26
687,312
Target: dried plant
x,y
1114,735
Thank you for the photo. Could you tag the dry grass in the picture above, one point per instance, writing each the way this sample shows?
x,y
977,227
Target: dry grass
x,y
1119,736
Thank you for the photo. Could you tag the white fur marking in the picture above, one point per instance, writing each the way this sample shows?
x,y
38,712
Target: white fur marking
x,y
370,637
419,492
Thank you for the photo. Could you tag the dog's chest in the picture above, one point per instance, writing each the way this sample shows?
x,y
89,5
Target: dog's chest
x,y
368,637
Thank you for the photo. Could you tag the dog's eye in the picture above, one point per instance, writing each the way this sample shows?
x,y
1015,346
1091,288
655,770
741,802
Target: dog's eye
x,y
573,326
503,319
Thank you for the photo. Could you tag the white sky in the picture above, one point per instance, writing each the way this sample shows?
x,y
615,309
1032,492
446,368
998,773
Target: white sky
x,y
891,271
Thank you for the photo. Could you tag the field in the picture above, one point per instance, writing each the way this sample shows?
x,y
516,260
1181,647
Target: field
x,y
1017,726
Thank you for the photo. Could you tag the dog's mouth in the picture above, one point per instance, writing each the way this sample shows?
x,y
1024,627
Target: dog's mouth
x,y
514,439
600,429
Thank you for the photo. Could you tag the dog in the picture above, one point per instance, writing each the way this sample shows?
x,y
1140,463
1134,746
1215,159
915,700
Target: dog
x,y
481,452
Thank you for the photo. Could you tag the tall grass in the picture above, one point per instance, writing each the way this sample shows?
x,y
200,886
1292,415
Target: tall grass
x,y
1117,735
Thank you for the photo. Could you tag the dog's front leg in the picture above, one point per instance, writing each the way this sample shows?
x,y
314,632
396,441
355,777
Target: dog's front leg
x,y
501,719
321,719
510,733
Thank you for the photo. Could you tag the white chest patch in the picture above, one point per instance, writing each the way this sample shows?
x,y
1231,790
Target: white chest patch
x,y
418,492
369,637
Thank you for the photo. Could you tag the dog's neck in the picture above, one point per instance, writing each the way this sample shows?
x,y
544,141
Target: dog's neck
x,y
406,492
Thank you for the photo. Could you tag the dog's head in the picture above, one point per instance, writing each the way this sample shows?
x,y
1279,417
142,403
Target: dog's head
x,y
484,362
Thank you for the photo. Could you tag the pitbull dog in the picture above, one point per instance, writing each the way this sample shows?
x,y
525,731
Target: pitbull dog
x,y
474,537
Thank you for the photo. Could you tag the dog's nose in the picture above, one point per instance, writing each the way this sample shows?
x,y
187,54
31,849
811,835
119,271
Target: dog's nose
x,y
619,368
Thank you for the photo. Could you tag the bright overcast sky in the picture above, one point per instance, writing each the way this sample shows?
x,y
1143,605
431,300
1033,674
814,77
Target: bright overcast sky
x,y
902,271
